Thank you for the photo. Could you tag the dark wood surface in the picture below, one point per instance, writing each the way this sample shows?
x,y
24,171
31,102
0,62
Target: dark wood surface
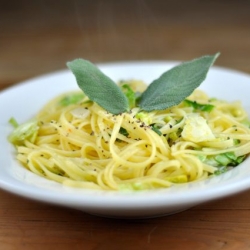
x,y
38,37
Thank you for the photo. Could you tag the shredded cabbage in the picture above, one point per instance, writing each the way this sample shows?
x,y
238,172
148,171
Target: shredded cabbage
x,y
22,132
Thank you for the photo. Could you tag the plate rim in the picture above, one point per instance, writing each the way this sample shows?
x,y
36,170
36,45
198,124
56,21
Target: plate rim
x,y
53,198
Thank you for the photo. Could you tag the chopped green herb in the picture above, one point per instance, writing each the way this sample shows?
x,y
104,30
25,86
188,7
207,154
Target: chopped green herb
x,y
156,129
240,159
144,117
71,99
86,102
198,106
231,155
229,159
123,131
236,141
25,131
130,94
222,159
13,122
167,119
173,136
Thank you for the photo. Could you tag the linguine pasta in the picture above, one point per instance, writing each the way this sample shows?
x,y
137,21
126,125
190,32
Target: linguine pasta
x,y
82,145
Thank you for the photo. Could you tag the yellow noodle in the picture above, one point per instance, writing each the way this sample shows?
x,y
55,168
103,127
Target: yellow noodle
x,y
92,152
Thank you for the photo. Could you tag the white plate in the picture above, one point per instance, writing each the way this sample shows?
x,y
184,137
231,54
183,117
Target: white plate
x,y
24,100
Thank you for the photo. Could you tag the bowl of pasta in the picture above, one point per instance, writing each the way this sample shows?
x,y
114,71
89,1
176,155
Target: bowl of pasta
x,y
111,140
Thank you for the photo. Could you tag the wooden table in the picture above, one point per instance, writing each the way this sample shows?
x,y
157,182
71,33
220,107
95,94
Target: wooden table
x,y
37,37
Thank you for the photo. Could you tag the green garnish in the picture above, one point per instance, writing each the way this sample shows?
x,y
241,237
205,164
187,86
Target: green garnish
x,y
222,161
99,87
171,88
71,99
236,141
124,132
199,106
144,117
156,129
130,94
229,158
13,122
25,131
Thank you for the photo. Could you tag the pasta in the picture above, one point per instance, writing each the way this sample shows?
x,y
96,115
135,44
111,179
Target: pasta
x,y
82,145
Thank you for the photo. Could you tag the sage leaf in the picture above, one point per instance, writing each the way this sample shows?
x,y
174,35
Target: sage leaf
x,y
98,87
173,86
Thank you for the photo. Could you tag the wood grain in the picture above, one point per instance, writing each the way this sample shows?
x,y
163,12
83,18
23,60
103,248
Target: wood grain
x,y
38,37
